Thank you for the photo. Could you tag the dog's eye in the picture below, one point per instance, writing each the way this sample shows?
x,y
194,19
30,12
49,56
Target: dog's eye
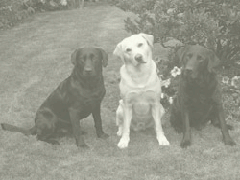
x,y
140,45
84,58
189,56
200,58
128,49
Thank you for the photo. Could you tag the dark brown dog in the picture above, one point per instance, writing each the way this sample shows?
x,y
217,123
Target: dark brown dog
x,y
199,96
76,98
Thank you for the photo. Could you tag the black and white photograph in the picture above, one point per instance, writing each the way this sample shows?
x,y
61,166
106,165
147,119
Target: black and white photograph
x,y
120,89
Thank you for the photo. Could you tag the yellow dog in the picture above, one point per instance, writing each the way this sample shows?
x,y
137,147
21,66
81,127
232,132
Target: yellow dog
x,y
140,89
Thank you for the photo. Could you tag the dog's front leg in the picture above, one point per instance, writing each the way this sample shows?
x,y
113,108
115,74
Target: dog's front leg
x,y
120,118
186,140
157,114
78,134
96,113
123,143
226,137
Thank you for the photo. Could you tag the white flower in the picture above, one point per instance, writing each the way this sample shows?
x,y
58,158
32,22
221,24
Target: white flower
x,y
162,95
166,83
225,79
170,100
63,2
180,15
175,71
171,11
235,82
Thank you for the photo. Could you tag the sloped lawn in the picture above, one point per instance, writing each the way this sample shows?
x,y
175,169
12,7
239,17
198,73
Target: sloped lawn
x,y
35,57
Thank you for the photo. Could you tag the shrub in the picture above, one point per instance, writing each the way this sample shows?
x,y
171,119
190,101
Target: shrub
x,y
214,24
14,11
231,96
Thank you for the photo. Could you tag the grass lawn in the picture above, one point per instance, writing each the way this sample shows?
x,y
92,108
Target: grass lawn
x,y
35,57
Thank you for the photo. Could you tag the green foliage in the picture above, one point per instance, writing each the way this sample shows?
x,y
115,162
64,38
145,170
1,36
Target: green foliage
x,y
11,11
14,11
211,23
231,96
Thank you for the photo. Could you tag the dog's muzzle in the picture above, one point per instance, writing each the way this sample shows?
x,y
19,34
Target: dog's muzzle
x,y
88,71
190,74
139,58
187,72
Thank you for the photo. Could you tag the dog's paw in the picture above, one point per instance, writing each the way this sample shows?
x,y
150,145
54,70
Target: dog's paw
x,y
83,146
185,143
53,142
83,132
123,143
119,133
229,142
103,135
230,127
162,141
50,141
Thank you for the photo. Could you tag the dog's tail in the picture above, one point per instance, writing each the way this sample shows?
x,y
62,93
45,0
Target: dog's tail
x,y
11,128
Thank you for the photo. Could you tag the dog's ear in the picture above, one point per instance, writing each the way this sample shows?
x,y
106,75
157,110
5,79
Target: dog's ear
x,y
74,56
149,39
213,61
118,51
180,53
104,57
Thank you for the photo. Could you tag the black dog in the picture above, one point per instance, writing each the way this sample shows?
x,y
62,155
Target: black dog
x,y
76,98
199,96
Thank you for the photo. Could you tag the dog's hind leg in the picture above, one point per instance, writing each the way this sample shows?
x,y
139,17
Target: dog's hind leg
x,y
216,123
226,137
12,128
215,119
48,138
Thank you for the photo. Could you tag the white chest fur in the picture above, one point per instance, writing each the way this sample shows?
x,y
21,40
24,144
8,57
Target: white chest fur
x,y
140,90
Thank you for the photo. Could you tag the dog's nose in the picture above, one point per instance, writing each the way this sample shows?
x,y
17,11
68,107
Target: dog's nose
x,y
139,58
87,69
188,72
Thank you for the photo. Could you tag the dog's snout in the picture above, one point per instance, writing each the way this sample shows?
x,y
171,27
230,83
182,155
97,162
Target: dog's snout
x,y
139,58
88,69
188,72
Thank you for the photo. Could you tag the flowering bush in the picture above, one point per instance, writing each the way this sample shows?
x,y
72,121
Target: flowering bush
x,y
231,96
230,92
14,11
212,23
170,86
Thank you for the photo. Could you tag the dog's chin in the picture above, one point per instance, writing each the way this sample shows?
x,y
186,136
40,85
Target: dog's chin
x,y
137,63
195,76
90,75
192,76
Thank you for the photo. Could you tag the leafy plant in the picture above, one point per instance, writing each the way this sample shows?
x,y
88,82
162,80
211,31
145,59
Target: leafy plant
x,y
211,23
14,11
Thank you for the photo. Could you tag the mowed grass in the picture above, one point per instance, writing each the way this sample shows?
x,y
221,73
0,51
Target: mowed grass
x,y
35,58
